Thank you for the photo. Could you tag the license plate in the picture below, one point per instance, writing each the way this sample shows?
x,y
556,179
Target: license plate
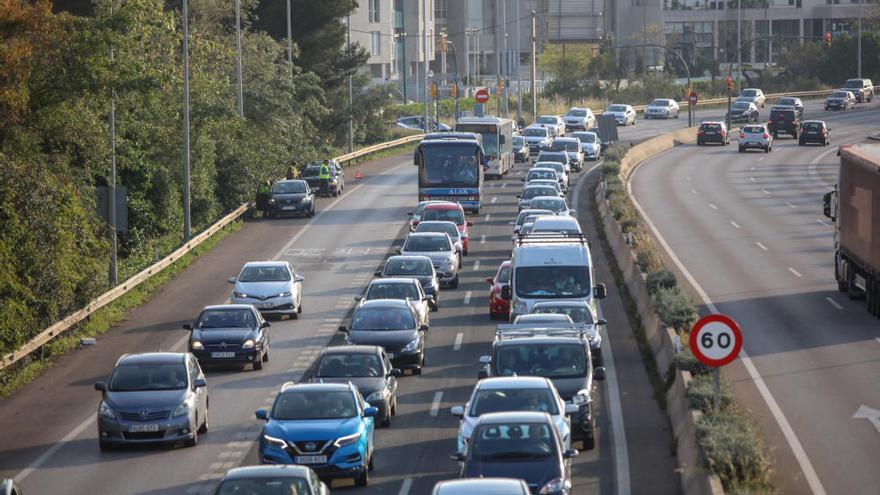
x,y
310,459
264,305
220,355
288,207
143,428
710,133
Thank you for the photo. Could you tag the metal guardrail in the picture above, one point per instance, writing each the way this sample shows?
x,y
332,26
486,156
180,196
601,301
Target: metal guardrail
x,y
111,295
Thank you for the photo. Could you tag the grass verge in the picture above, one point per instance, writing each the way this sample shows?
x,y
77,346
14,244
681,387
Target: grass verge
x,y
103,319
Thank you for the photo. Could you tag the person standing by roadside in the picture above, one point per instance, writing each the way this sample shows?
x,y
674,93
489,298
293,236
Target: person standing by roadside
x,y
263,194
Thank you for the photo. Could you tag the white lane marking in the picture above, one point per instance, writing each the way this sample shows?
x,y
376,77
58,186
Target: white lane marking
x,y
503,185
761,159
735,225
795,272
713,206
467,297
790,205
787,431
763,247
483,239
435,404
693,191
458,338
821,222
477,265
751,168
765,191
488,217
405,487
39,461
814,172
835,304
752,179
877,339
494,199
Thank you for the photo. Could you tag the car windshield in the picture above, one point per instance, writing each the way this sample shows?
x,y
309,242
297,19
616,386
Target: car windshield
x,y
533,192
553,204
516,399
617,108
564,145
349,365
518,141
433,243
226,318
578,314
812,126
444,215
275,273
711,127
391,290
382,319
754,129
554,165
289,187
585,137
444,227
550,360
311,171
741,105
553,156
838,94
148,376
503,276
541,175
659,103
552,281
512,442
546,120
749,93
261,485
322,404
576,113
787,102
533,131
408,267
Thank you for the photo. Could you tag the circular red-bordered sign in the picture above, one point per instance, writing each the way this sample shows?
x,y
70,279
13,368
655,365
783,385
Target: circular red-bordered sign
x,y
482,95
716,340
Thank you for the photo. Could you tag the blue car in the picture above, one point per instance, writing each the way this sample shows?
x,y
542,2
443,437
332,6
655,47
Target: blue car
x,y
325,426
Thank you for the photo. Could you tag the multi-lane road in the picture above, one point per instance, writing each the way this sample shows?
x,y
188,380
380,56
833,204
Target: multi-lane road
x,y
747,228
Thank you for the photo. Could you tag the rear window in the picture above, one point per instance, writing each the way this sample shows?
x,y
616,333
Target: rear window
x,y
443,215
812,126
711,127
753,129
782,115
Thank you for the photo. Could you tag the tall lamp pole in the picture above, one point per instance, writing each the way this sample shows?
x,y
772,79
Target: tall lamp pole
x,y
238,58
289,42
111,183
860,39
350,95
457,77
516,68
425,55
186,213
738,42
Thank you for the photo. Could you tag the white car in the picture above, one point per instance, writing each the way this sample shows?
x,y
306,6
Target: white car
x,y
546,182
753,95
531,192
552,122
623,114
273,287
561,173
537,137
557,224
437,246
579,119
443,226
514,393
662,108
590,144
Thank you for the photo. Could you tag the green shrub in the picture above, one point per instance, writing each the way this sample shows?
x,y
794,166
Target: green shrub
x,y
660,278
686,361
734,451
701,394
674,308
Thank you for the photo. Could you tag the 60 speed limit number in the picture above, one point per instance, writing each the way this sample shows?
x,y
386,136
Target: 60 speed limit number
x,y
716,340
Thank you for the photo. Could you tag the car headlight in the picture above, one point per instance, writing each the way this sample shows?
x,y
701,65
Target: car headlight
x,y
412,345
181,410
105,411
306,199
376,396
276,442
272,201
284,294
347,440
554,486
197,345
239,295
248,344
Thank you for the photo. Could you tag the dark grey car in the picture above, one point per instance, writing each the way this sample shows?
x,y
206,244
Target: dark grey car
x,y
291,197
156,397
287,478
420,268
392,324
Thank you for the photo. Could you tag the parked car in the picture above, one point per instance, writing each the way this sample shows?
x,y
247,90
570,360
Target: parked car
x,y
783,121
755,136
790,102
499,307
743,111
325,426
481,486
420,268
368,368
662,108
579,119
392,324
404,289
815,131
623,114
713,132
270,480
862,89
552,122
291,197
273,287
439,248
521,151
153,397
753,95
840,100
325,187
450,212
537,137
590,144
230,334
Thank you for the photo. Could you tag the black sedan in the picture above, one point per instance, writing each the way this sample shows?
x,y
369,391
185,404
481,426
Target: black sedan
x,y
743,111
814,131
291,197
368,368
392,324
230,334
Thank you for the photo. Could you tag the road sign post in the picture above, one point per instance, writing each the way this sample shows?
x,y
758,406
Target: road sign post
x,y
482,95
715,341
692,107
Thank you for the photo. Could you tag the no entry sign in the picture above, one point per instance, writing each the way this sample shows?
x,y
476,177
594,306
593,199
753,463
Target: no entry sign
x,y
716,340
482,95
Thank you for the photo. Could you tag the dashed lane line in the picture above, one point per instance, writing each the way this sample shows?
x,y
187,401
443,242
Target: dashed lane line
x,y
791,205
763,247
834,303
458,339
483,239
713,206
405,487
435,404
735,225
467,297
795,272
477,265
494,200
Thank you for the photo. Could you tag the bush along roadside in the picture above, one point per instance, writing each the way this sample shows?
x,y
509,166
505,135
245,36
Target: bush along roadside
x,y
728,439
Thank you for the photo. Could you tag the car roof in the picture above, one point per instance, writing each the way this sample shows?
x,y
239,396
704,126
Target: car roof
x,y
814,122
285,181
266,263
427,234
409,257
509,416
543,169
574,253
446,205
542,317
555,220
152,358
227,306
279,471
505,263
395,280
385,303
351,349
712,122
314,387
506,382
564,139
554,198
480,486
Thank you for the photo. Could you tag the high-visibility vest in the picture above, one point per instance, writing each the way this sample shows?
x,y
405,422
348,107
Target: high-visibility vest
x,y
325,172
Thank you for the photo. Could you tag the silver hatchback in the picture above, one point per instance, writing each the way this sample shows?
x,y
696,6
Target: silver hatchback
x,y
755,136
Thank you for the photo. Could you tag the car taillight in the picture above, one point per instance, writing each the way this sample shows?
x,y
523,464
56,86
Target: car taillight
x,y
742,136
765,136
700,131
722,133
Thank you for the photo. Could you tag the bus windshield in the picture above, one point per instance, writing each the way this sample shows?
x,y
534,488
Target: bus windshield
x,y
489,132
449,165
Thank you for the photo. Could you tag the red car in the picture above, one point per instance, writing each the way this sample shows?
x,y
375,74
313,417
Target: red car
x,y
449,212
498,307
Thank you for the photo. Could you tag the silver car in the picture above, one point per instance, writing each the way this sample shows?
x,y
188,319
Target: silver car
x,y
623,114
443,226
755,136
552,122
437,246
273,287
514,393
407,289
590,144
662,108
531,192
481,486
553,203
561,173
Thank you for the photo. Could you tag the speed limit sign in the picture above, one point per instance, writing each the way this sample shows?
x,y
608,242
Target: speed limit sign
x,y
716,340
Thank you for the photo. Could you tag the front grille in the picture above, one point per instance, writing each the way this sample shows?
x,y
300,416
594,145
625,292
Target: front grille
x,y
145,435
224,347
150,416
318,445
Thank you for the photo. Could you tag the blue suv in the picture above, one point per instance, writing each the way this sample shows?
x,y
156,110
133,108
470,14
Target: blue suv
x,y
325,426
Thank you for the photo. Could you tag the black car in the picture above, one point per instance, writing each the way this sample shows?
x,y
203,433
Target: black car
x,y
392,324
815,131
743,111
230,334
420,268
783,121
521,150
291,197
368,368
713,132
270,480
523,445
840,99
324,187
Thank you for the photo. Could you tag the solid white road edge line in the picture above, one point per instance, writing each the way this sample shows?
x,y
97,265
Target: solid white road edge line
x,y
834,303
435,404
795,272
45,456
458,338
405,487
763,247
787,431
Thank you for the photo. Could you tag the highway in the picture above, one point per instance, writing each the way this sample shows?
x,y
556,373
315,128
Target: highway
x,y
748,230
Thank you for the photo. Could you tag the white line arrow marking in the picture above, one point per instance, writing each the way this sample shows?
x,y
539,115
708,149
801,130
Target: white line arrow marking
x,y
870,414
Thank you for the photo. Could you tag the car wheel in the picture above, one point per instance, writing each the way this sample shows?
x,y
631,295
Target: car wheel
x,y
204,427
800,142
363,479
775,135
266,355
741,149
104,445
192,442
590,438
454,283
258,364
386,422
699,143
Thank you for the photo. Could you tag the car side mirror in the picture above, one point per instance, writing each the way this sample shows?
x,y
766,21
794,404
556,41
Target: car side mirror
x,y
428,298
101,386
570,453
200,383
571,409
599,373
298,278
505,292
423,328
601,321
358,298
600,292
377,273
262,414
398,249
519,196
490,281
458,456
265,324
343,328
457,411
485,360
522,180
571,211
482,374
187,326
469,223
395,372
230,280
562,195
370,412
410,213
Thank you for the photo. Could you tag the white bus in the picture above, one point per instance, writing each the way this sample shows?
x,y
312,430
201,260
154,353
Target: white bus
x,y
497,136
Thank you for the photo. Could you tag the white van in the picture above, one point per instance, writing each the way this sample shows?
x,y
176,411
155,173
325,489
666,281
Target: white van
x,y
550,266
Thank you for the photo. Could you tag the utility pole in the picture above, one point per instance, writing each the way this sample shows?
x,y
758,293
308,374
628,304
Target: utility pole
x,y
534,82
289,42
403,47
425,55
186,214
506,68
443,57
738,43
111,183
238,58
516,67
644,49
860,39
350,95
467,56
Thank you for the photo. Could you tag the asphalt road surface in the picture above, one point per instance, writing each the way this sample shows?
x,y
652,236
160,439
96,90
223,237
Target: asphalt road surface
x,y
748,229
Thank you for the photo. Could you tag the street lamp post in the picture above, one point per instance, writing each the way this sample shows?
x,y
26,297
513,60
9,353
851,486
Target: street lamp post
x,y
738,42
238,58
457,78
289,42
186,213
860,39
425,55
